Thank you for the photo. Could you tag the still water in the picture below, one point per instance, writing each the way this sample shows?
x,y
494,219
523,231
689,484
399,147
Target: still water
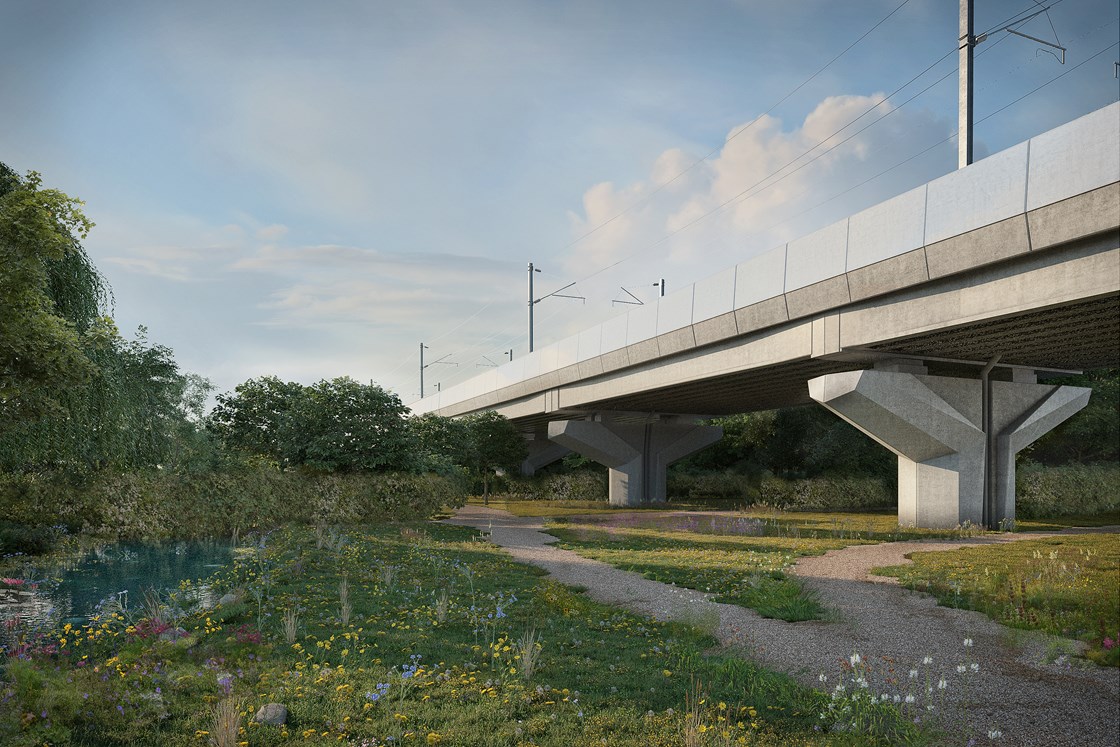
x,y
46,597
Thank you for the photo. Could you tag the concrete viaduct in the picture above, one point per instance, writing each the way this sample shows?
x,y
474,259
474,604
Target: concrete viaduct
x,y
924,321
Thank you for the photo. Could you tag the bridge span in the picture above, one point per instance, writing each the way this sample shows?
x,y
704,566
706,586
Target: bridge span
x,y
925,321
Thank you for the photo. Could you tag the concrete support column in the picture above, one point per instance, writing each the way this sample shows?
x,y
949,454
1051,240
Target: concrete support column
x,y
637,453
935,425
542,453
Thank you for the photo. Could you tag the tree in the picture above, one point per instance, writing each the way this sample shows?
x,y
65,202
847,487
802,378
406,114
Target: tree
x,y
333,426
253,419
50,295
442,444
343,426
1092,435
494,445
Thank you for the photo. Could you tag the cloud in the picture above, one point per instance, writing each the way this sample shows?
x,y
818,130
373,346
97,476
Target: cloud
x,y
765,186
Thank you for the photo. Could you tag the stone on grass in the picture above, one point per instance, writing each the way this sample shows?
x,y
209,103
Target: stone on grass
x,y
273,714
229,598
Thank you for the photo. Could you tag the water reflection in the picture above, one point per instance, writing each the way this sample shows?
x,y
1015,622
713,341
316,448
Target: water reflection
x,y
43,598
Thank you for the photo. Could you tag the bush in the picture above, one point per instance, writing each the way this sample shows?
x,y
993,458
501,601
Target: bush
x,y
581,485
155,505
826,494
1073,489
713,485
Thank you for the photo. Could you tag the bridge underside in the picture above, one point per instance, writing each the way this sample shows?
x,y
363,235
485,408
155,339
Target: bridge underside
x,y
955,436
1078,336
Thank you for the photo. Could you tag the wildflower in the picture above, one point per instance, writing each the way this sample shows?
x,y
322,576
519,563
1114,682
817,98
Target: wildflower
x,y
909,698
961,668
927,660
823,678
1108,643
974,667
855,659
968,643
942,684
994,734
913,674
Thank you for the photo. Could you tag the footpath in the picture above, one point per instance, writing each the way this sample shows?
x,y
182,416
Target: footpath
x,y
1013,689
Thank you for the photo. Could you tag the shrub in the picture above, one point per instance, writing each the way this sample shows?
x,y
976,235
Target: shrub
x,y
1073,489
156,505
719,485
580,485
826,494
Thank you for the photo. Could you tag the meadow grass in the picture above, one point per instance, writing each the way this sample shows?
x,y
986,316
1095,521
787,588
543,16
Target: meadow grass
x,y
741,557
1067,586
433,653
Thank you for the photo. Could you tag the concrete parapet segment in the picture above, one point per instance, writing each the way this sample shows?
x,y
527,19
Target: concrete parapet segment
x,y
637,453
936,427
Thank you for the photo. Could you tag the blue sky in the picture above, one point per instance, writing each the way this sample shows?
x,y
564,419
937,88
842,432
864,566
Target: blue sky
x,y
312,189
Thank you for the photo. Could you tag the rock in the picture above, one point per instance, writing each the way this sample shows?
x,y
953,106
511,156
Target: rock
x,y
273,714
173,634
229,598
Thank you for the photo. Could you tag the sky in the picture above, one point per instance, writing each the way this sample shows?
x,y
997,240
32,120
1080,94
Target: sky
x,y
312,190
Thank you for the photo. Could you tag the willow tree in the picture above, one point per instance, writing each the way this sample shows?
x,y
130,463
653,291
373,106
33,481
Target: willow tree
x,y
74,394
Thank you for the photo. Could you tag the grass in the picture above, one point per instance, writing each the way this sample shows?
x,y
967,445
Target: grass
x,y
1109,518
431,654
741,557
1066,586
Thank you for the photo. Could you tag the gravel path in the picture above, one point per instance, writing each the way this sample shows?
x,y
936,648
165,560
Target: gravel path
x,y
1031,702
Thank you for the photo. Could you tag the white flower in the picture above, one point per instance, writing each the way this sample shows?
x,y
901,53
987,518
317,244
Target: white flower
x,y
897,698
994,734
909,698
823,678
974,667
927,660
942,684
968,643
913,674
961,668
855,659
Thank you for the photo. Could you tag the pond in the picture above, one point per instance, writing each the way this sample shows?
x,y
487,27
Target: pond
x,y
43,598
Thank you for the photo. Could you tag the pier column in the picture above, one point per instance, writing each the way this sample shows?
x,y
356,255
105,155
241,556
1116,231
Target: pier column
x,y
542,453
952,466
637,453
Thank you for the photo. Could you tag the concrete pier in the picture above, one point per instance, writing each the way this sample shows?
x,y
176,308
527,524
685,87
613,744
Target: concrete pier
x,y
637,453
956,456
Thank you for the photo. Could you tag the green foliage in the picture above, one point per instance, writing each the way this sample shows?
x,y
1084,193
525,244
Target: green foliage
x,y
793,442
160,504
581,485
1074,489
443,445
343,426
128,413
826,494
49,295
1090,436
333,426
